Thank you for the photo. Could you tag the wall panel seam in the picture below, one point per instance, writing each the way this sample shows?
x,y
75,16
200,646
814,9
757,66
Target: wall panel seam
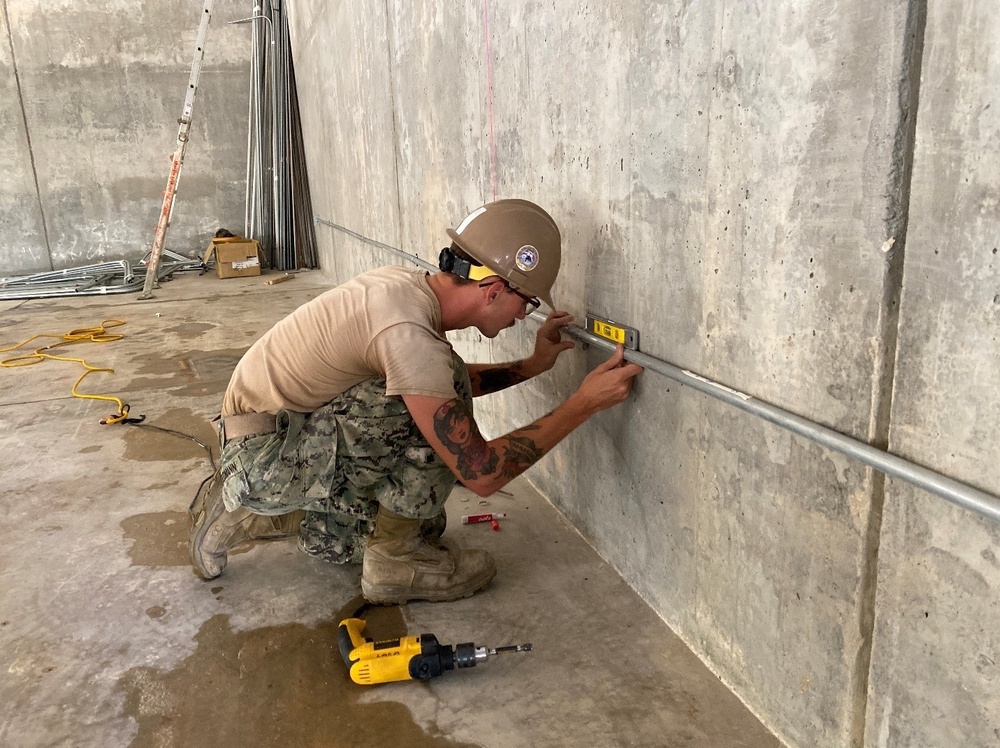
x,y
395,124
896,224
27,134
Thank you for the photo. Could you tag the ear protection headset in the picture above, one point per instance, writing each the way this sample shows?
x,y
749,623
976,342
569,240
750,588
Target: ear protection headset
x,y
456,262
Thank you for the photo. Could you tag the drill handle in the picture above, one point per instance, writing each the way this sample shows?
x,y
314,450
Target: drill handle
x,y
349,637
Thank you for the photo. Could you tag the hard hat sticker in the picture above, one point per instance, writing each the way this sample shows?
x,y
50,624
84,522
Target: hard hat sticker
x,y
526,258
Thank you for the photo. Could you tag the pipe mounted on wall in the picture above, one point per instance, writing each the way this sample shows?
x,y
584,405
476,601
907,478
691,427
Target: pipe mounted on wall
x,y
962,494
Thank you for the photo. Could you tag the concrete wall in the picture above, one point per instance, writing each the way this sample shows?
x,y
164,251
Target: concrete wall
x,y
90,94
733,179
751,184
936,667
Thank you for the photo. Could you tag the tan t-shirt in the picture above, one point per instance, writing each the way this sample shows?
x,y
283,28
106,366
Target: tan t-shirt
x,y
383,323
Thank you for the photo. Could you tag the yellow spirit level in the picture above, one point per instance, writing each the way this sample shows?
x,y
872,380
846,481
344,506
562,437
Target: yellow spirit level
x,y
613,331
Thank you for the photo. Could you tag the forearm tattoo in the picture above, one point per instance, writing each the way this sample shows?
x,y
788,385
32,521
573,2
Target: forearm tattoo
x,y
459,433
495,379
521,454
457,430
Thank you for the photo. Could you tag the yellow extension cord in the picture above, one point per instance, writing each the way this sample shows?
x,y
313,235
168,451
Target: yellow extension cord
x,y
84,334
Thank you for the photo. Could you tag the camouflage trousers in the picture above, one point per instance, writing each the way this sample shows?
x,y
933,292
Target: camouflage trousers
x,y
339,463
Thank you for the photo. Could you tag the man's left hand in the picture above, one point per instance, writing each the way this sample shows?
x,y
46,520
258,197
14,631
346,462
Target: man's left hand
x,y
548,340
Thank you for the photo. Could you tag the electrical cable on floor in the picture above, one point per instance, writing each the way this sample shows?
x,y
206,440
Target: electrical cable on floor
x,y
208,450
97,334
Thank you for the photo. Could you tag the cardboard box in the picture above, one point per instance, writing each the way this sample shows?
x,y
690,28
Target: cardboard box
x,y
235,257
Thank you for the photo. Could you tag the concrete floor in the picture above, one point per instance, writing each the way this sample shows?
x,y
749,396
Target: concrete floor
x,y
107,638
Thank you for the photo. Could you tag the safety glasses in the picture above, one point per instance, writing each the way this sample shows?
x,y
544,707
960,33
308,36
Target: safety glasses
x,y
531,301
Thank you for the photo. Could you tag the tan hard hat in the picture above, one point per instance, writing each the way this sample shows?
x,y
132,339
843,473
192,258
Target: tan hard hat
x,y
516,240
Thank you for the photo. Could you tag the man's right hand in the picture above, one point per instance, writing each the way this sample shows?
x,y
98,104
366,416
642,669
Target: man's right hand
x,y
487,466
607,385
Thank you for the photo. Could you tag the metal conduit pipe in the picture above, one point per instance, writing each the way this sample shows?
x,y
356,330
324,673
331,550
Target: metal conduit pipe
x,y
959,493
59,276
277,208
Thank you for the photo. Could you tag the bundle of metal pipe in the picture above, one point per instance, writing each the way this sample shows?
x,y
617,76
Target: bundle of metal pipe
x,y
278,209
302,215
99,279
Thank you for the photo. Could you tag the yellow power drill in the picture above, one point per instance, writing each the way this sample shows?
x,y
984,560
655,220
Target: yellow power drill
x,y
407,658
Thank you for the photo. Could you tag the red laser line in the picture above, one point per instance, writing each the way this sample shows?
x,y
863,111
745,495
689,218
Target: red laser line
x,y
489,99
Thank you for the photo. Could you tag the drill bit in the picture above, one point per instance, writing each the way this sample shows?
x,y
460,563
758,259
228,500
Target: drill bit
x,y
511,648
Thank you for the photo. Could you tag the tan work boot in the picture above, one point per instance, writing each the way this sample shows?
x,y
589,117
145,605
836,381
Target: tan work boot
x,y
400,565
215,531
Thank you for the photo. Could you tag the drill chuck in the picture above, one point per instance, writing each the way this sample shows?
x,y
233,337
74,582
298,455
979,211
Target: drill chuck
x,y
435,658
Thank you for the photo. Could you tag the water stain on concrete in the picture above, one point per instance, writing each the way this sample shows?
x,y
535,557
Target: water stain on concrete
x,y
158,367
148,444
162,486
277,685
190,329
380,622
159,539
188,373
201,389
46,306
194,364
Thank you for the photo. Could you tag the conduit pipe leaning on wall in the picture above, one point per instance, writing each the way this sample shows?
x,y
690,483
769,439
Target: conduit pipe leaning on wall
x,y
959,493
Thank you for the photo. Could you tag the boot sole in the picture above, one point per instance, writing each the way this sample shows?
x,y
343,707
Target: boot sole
x,y
378,594
198,532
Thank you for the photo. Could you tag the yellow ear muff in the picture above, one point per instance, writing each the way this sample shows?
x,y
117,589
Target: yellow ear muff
x,y
480,272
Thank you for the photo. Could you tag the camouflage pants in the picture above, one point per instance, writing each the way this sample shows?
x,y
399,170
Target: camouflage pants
x,y
339,463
